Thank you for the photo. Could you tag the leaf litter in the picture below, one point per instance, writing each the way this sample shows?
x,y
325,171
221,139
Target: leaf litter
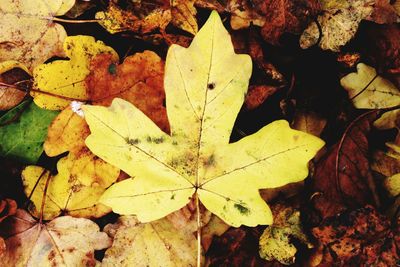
x,y
68,179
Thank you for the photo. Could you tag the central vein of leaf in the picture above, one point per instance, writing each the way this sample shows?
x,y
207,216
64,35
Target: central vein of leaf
x,y
197,183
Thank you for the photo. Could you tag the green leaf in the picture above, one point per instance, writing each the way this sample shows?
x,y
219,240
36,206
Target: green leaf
x,y
23,138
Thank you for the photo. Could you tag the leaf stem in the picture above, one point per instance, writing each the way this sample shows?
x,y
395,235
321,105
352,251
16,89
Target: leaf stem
x,y
44,198
198,230
74,21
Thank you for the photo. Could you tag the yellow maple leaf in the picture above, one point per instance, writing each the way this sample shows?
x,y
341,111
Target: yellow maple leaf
x,y
59,82
205,86
157,243
367,89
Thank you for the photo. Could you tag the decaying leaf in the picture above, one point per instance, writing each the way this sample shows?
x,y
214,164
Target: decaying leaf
x,y
384,12
275,243
286,16
183,15
243,15
237,247
215,227
28,34
24,131
342,178
65,241
62,81
369,90
180,13
388,120
258,94
309,122
12,74
204,96
79,8
185,219
75,190
361,237
338,23
157,243
8,207
138,80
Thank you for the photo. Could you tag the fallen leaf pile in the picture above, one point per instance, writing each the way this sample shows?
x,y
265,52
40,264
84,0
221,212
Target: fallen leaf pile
x,y
199,133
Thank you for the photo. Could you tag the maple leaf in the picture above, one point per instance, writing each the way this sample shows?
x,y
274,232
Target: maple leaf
x,y
74,190
12,74
275,243
338,24
157,243
369,90
204,96
343,177
23,131
58,83
65,241
28,34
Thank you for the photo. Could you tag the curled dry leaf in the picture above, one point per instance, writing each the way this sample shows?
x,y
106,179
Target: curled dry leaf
x,y
183,15
369,90
275,242
8,207
157,243
15,76
115,20
180,13
204,96
28,34
62,81
361,237
64,241
338,24
342,177
23,130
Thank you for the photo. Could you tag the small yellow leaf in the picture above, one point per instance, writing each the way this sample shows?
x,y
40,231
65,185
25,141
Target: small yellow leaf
x,y
204,96
62,81
366,89
81,180
157,243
